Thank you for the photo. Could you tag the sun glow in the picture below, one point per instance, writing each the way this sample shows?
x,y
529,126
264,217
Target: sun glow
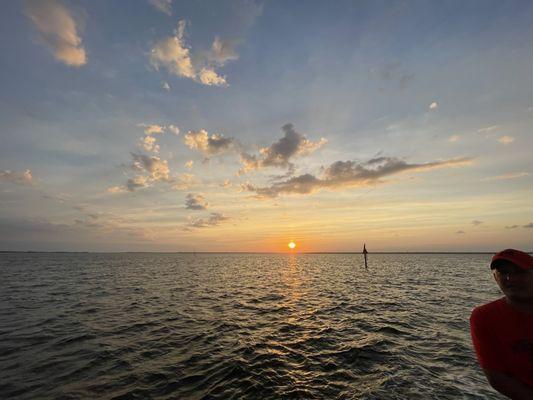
x,y
292,245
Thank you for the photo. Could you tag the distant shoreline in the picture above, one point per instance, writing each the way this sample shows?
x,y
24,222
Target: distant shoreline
x,y
245,252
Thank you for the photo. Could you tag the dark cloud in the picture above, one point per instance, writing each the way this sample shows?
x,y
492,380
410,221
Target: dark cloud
x,y
280,153
476,222
195,202
156,167
530,225
460,232
208,145
512,226
342,174
136,183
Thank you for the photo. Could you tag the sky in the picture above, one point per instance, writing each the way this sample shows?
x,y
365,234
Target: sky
x,y
242,125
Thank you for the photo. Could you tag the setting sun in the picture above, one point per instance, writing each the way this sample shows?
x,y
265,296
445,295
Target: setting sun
x,y
292,245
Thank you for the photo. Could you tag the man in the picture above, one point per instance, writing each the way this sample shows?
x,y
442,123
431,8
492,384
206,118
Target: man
x,y
502,331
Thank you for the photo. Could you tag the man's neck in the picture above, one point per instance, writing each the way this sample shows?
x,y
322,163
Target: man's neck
x,y
523,305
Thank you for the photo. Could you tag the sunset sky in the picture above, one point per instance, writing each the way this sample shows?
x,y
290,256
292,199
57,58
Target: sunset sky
x,y
160,125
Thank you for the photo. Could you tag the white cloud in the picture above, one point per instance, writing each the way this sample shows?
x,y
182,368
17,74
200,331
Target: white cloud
x,y
116,189
214,220
454,138
208,145
505,140
152,129
511,175
434,105
174,129
174,54
24,178
166,86
209,77
488,130
165,6
148,143
58,31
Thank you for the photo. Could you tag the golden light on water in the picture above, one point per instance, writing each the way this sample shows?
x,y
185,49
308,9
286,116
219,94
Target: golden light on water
x,y
292,245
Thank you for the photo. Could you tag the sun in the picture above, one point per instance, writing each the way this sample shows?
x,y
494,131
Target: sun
x,y
292,245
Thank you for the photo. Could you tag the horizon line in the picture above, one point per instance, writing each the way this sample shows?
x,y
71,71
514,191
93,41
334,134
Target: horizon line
x,y
251,252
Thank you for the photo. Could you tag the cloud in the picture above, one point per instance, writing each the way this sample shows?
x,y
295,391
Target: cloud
x,y
183,182
476,222
151,129
208,145
136,183
214,220
166,86
148,143
24,178
460,232
195,202
165,6
511,226
222,51
279,154
226,183
189,164
434,105
155,170
505,140
174,129
488,131
116,189
510,175
454,138
344,174
58,30
172,53
209,77
156,167
530,225
175,56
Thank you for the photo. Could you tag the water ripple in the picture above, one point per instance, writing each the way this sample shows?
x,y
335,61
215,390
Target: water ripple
x,y
227,326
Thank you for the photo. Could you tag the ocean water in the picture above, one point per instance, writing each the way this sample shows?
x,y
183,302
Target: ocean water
x,y
232,326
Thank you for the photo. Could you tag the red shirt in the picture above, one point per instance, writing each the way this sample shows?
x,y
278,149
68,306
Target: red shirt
x,y
503,339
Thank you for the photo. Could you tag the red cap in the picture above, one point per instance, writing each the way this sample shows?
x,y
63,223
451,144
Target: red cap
x,y
517,257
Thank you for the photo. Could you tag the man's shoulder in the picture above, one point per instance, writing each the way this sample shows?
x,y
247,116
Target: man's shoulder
x,y
488,310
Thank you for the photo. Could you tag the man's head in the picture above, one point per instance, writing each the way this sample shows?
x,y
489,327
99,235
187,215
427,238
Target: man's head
x,y
513,271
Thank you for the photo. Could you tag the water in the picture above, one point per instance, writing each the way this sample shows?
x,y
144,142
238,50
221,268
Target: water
x,y
224,326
